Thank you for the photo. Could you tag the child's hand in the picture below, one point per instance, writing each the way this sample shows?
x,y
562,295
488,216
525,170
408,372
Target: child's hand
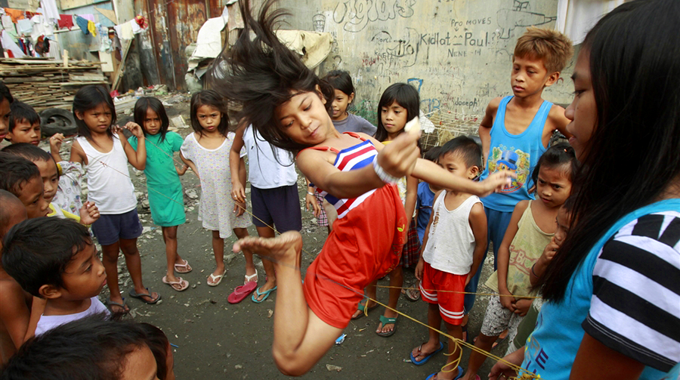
x,y
238,193
182,170
312,204
507,300
89,213
522,306
419,269
495,183
55,142
398,158
135,129
239,208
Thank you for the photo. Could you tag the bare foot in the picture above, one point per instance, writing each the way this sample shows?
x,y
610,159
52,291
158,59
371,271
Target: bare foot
x,y
282,250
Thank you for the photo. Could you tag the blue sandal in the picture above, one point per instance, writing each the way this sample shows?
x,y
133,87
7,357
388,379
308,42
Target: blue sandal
x,y
460,374
257,294
427,357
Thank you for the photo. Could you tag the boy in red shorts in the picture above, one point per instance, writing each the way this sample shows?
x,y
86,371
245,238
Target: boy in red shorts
x,y
455,244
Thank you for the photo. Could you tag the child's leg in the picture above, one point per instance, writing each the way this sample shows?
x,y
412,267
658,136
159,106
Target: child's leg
x,y
218,250
396,282
434,320
495,321
170,239
110,261
370,292
134,265
266,232
455,331
250,266
300,337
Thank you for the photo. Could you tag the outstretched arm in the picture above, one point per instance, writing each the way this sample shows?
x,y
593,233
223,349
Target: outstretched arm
x,y
238,182
479,230
136,158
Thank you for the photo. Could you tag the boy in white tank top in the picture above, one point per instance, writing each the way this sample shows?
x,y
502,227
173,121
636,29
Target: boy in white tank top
x,y
454,247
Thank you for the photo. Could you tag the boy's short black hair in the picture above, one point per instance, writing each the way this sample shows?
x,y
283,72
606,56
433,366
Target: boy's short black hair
x,y
37,251
85,349
7,201
5,94
433,154
15,171
21,112
28,151
467,148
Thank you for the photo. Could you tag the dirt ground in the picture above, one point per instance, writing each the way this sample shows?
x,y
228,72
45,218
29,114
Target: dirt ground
x,y
215,339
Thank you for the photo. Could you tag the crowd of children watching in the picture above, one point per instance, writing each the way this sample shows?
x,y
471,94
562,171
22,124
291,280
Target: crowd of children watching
x,y
584,234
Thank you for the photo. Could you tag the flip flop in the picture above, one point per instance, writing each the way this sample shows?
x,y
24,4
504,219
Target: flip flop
x,y
387,321
108,303
412,294
183,268
361,307
180,285
142,297
215,279
460,374
265,294
241,292
251,278
426,358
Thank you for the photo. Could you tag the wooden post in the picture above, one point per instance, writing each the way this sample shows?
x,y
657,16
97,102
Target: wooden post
x,y
65,58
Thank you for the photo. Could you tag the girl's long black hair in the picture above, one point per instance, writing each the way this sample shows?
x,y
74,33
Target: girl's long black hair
x,y
407,97
213,99
260,73
156,106
90,97
632,157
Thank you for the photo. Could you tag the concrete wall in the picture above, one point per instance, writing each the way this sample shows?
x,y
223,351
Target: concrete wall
x,y
458,53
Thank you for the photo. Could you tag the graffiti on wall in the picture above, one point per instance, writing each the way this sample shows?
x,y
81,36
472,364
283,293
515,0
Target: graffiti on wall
x,y
354,15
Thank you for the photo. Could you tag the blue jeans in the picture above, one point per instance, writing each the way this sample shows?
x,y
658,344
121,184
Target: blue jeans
x,y
497,222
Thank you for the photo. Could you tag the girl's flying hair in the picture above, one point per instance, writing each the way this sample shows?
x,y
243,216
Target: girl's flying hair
x,y
213,99
406,96
156,106
632,156
557,156
90,97
263,74
340,80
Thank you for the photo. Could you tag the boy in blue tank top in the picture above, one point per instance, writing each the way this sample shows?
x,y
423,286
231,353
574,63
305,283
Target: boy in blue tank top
x,y
516,129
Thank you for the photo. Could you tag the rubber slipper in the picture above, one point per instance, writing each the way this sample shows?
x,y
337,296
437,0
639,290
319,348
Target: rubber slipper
x,y
361,307
123,306
460,374
183,268
498,342
384,321
265,294
241,292
142,296
427,357
251,278
215,279
412,294
180,285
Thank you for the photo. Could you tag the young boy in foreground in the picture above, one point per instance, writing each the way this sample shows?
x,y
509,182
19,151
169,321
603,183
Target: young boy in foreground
x,y
55,259
24,124
22,178
455,244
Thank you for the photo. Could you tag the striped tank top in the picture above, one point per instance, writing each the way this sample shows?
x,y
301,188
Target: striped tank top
x,y
352,158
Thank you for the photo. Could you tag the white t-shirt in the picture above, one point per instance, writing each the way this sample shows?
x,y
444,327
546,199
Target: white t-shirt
x,y
48,322
264,171
451,243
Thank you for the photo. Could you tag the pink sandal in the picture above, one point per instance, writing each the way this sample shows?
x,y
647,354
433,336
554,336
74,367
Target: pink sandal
x,y
241,292
183,268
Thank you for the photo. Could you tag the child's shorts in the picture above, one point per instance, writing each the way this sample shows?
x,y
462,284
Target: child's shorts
x,y
279,206
322,220
446,290
112,227
497,318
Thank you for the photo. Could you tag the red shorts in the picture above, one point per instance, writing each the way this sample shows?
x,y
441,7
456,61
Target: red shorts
x,y
446,290
363,246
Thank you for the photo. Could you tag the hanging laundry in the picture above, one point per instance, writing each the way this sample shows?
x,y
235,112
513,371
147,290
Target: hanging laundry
x,y
8,25
88,16
141,21
65,21
135,27
91,28
50,10
576,17
82,24
24,26
9,44
124,31
15,14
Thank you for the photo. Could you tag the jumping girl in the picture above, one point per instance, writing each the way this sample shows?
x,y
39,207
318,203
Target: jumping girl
x,y
611,302
288,105
206,152
104,151
166,199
